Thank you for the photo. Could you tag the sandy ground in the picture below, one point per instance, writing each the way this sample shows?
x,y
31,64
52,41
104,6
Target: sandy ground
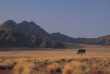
x,y
92,50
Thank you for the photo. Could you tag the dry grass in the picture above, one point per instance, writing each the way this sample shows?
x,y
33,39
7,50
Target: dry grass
x,y
54,68
7,64
76,67
26,68
62,65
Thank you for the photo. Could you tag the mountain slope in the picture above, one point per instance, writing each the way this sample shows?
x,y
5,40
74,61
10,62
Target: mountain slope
x,y
61,37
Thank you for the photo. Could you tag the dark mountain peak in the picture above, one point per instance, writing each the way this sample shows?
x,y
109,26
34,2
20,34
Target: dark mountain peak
x,y
56,33
9,21
24,22
59,34
9,24
24,27
32,23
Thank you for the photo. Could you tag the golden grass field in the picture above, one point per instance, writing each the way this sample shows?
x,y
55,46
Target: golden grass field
x,y
56,61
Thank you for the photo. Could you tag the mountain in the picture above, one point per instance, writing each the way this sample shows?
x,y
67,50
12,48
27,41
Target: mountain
x,y
29,34
25,34
24,28
105,40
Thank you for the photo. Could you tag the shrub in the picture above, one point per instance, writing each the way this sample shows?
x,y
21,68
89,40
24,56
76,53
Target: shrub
x,y
53,68
26,68
7,64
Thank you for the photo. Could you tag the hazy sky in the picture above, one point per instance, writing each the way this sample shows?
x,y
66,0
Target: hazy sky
x,y
75,18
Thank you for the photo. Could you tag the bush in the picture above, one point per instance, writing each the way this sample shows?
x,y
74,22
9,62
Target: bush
x,y
54,68
26,68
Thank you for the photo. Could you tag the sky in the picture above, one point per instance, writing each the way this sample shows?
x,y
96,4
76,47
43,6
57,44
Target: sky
x,y
75,18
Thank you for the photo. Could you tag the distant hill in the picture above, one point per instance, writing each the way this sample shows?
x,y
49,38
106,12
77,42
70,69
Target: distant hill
x,y
105,40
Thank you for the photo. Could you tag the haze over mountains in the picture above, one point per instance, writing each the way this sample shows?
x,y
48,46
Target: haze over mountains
x,y
29,34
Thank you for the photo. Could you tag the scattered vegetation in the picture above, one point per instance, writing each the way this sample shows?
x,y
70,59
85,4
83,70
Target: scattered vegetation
x,y
57,65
